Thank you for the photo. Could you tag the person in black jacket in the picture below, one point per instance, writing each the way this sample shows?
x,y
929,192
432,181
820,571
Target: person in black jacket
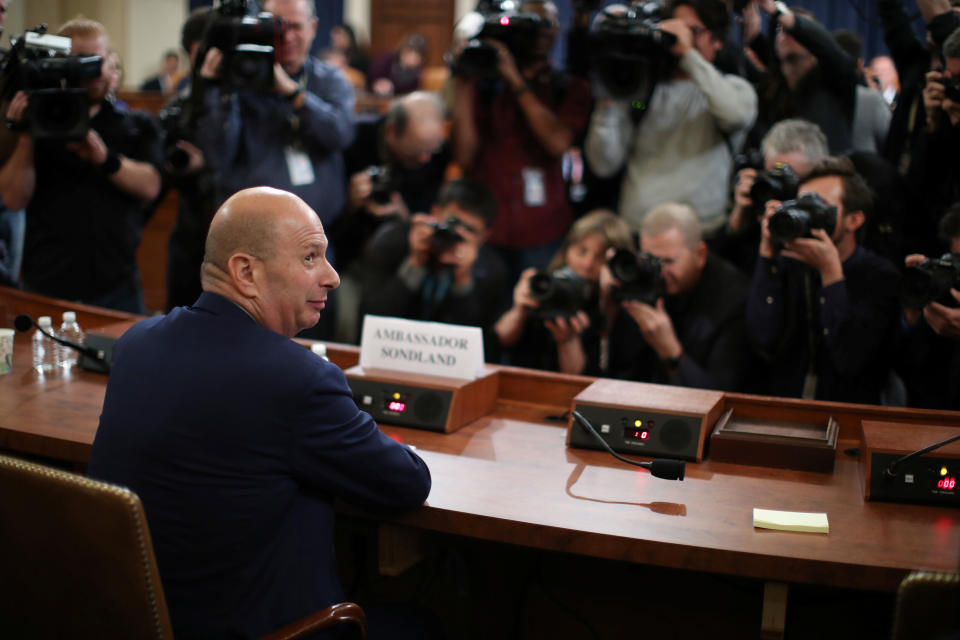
x,y
810,77
693,336
436,267
823,311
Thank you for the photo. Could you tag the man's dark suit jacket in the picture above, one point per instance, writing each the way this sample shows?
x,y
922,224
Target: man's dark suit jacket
x,y
238,440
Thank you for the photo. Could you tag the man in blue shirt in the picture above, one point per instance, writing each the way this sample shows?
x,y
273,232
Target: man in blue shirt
x,y
291,138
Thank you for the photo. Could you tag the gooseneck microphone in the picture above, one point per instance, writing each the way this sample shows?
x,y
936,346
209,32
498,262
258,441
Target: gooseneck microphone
x,y
24,322
665,468
891,470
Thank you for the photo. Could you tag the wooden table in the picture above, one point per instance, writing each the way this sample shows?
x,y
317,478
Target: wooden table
x,y
509,477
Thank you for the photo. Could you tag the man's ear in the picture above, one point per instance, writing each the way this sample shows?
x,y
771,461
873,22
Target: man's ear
x,y
854,220
701,254
242,268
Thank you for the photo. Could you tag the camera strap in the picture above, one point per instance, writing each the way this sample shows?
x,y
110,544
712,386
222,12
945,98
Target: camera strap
x,y
813,337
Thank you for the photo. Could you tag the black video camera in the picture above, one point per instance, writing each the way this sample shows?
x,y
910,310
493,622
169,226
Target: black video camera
x,y
173,120
639,275
445,234
779,183
628,53
931,281
383,184
796,218
42,65
518,31
561,293
249,41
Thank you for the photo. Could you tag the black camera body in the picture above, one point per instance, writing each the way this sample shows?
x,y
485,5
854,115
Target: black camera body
x,y
445,234
561,293
384,184
779,183
640,276
931,281
628,53
174,122
951,89
42,66
249,44
796,218
518,31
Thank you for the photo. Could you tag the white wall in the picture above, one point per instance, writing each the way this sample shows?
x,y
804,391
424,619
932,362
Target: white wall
x,y
153,26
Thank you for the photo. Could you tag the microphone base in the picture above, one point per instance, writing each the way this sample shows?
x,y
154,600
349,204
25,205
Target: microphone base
x,y
915,481
103,344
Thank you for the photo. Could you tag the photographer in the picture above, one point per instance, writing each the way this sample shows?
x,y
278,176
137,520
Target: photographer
x,y
693,334
436,266
789,149
511,131
811,77
290,137
822,310
395,165
85,198
930,360
544,330
680,151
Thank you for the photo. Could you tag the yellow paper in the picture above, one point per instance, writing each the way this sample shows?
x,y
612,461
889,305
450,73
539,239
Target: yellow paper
x,y
790,520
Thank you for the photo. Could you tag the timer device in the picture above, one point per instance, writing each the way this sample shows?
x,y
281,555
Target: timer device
x,y
646,419
420,401
896,469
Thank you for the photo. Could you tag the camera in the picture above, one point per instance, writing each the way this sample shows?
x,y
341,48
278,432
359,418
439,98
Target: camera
x,y
173,121
445,234
796,218
779,183
628,53
518,31
560,293
931,281
383,184
639,275
249,44
951,89
42,65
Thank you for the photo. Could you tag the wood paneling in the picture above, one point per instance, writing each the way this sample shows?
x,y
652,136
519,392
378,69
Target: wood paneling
x,y
393,20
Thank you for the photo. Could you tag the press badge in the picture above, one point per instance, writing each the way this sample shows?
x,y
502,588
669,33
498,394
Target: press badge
x,y
534,189
299,167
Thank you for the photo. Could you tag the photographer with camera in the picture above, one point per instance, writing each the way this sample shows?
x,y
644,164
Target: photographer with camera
x,y
930,293
514,117
287,131
680,151
554,323
822,310
84,197
788,151
688,328
436,266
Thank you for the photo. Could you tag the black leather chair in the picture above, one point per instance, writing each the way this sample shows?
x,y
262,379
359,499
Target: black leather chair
x,y
928,607
76,561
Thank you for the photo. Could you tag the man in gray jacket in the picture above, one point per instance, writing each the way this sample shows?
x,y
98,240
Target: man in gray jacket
x,y
680,151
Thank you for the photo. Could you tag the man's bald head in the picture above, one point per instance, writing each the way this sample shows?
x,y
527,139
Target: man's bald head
x,y
246,223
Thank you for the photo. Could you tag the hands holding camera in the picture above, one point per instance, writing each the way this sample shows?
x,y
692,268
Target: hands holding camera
x,y
90,149
944,320
431,244
935,98
359,196
742,203
818,251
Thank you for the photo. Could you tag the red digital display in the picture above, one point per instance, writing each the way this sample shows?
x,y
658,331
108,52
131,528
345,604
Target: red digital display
x,y
397,406
947,482
638,434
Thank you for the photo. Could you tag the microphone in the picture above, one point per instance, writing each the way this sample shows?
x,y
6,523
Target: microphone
x,y
891,470
24,322
665,468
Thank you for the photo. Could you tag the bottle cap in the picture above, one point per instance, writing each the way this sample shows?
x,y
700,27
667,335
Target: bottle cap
x,y
44,321
320,349
69,316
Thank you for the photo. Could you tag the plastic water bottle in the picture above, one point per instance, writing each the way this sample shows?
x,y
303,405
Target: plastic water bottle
x,y
44,354
69,330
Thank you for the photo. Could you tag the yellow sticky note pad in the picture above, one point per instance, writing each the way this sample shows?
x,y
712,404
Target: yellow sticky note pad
x,y
790,520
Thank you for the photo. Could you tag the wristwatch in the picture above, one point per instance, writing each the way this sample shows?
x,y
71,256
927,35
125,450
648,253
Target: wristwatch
x,y
112,164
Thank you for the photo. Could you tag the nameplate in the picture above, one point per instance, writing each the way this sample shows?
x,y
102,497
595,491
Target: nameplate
x,y
431,348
